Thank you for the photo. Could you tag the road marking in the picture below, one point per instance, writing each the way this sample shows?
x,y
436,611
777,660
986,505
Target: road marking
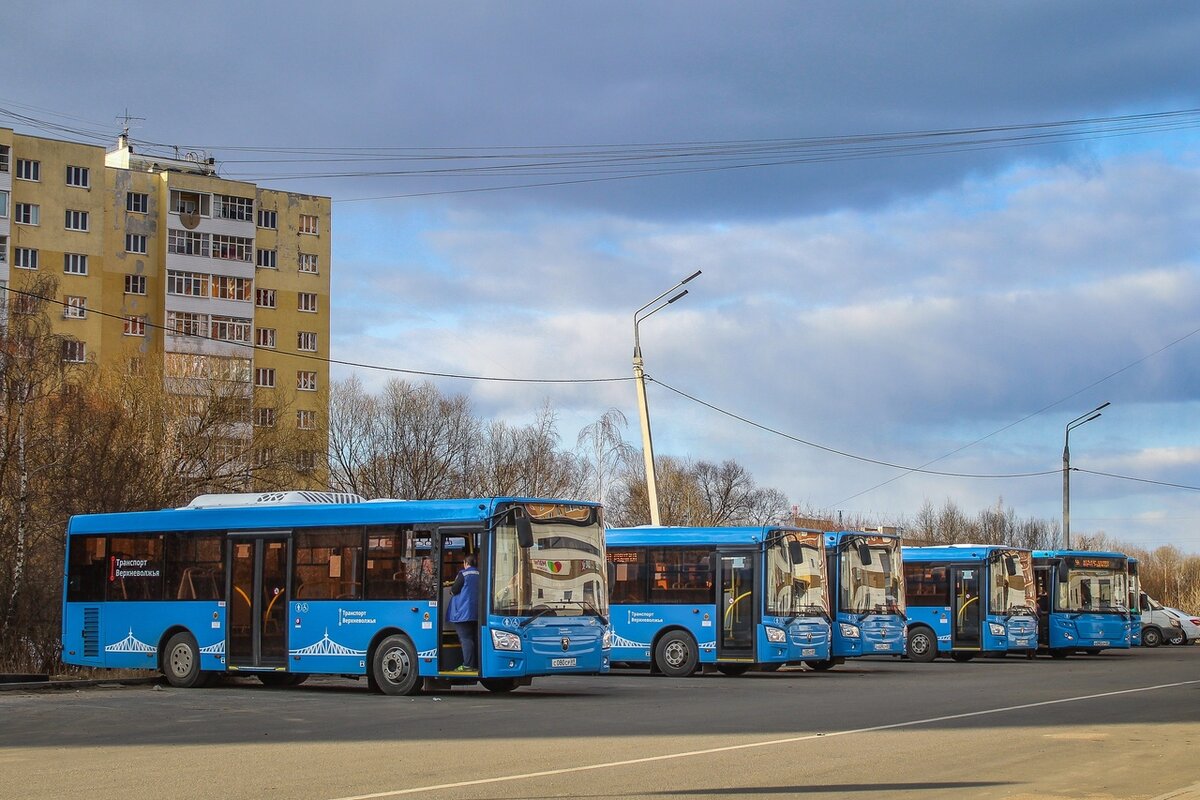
x,y
752,745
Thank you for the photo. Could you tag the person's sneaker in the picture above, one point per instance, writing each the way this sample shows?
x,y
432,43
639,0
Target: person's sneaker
x,y
464,668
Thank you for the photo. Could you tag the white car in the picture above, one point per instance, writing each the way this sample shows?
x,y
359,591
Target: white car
x,y
1158,624
1189,626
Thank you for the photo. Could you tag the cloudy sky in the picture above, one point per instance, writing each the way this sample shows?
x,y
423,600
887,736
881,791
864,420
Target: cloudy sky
x,y
511,180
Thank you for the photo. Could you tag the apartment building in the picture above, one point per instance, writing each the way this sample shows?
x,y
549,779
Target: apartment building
x,y
161,262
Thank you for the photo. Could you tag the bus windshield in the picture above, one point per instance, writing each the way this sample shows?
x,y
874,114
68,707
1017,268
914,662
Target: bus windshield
x,y
808,576
1011,582
562,574
1093,588
872,579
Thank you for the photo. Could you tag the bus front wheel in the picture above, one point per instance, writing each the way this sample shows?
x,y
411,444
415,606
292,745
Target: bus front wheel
x,y
820,666
1059,652
676,655
922,647
500,685
181,662
394,667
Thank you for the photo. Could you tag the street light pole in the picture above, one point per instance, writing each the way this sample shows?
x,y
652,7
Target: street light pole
x,y
1082,419
639,376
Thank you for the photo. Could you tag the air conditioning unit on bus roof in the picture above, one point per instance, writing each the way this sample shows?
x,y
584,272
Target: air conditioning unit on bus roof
x,y
293,498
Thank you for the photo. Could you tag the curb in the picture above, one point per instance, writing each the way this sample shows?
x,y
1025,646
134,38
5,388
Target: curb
x,y
51,685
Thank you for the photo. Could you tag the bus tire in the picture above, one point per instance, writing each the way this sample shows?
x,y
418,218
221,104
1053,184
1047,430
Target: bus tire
x,y
922,645
181,662
394,666
961,657
1059,652
676,654
499,685
771,667
1151,637
820,666
733,670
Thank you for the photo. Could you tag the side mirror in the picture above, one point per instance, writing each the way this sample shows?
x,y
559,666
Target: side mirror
x,y
1061,570
1010,565
864,553
524,532
795,552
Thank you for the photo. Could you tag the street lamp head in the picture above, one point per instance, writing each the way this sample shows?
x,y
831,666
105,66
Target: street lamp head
x,y
676,297
695,274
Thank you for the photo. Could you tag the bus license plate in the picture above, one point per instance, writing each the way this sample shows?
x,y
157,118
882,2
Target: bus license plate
x,y
808,651
562,662
1101,644
882,646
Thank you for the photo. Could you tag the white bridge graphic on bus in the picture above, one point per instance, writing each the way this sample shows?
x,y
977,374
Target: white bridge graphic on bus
x,y
130,644
327,647
621,641
217,649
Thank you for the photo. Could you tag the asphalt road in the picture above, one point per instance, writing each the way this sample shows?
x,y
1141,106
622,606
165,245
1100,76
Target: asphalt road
x,y
1118,725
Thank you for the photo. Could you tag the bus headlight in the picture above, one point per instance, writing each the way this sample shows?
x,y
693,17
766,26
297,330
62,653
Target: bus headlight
x,y
848,630
503,640
996,628
606,640
776,635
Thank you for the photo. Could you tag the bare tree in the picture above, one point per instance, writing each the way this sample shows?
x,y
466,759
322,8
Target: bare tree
x,y
604,453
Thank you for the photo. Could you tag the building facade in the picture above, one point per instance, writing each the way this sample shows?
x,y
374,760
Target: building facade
x,y
163,267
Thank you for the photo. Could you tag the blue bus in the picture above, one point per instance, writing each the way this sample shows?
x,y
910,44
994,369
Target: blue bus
x,y
866,595
1084,600
730,598
1135,604
284,585
966,600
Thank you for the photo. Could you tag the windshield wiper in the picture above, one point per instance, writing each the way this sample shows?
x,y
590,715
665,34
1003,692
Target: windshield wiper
x,y
587,605
541,611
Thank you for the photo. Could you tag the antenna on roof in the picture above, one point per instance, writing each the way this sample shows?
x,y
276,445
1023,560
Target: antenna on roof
x,y
125,119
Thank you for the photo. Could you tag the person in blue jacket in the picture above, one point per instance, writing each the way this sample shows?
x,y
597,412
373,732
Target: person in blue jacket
x,y
464,613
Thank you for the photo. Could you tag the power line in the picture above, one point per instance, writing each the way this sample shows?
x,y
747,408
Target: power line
x,y
1139,480
842,453
325,359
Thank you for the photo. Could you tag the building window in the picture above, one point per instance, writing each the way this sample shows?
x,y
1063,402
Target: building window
x,y
3,249
265,258
306,341
307,301
76,220
135,284
4,155
135,243
264,377
188,284
308,262
75,307
74,352
264,298
27,214
306,381
137,202
183,202
230,329
3,204
183,323
306,420
264,417
29,170
78,176
267,219
306,461
232,248
135,326
227,288
308,224
264,337
75,264
25,257
235,208
187,243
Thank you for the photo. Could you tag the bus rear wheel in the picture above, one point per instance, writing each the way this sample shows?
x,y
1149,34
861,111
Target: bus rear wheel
x,y
922,647
733,670
181,662
394,667
676,655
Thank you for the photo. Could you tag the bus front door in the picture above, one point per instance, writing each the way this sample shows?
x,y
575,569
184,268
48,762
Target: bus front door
x,y
256,601
735,576
968,613
452,548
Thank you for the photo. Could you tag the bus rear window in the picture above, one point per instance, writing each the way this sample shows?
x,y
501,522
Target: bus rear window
x,y
85,570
